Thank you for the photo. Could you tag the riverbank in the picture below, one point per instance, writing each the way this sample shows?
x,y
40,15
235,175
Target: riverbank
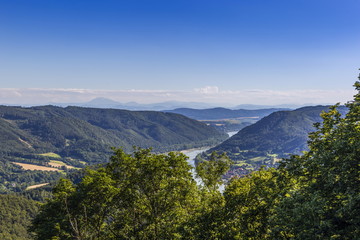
x,y
193,152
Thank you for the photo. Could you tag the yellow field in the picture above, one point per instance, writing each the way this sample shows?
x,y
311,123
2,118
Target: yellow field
x,y
50,154
28,166
55,163
36,186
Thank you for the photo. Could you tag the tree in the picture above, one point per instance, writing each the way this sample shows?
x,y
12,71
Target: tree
x,y
136,196
212,170
15,215
207,222
157,194
249,204
325,204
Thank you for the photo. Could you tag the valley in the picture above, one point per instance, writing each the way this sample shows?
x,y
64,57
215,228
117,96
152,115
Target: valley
x,y
41,144
38,155
53,141
224,119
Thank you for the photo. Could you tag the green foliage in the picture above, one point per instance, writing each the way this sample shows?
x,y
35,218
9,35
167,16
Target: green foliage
x,y
250,203
325,205
15,216
212,170
206,221
138,196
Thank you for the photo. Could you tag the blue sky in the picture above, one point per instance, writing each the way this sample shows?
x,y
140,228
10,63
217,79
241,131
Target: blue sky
x,y
190,50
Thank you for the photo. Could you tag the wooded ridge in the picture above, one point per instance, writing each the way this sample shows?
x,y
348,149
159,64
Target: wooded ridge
x,y
87,134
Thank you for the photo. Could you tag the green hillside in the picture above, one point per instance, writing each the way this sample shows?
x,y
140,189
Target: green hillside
x,y
273,137
16,213
87,134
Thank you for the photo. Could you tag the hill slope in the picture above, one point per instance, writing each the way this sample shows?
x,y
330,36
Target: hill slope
x,y
273,137
87,134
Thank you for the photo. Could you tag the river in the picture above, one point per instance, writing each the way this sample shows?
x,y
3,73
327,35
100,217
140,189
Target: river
x,y
192,153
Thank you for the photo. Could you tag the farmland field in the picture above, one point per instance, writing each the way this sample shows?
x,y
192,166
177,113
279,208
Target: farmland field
x,y
50,154
57,164
36,186
28,166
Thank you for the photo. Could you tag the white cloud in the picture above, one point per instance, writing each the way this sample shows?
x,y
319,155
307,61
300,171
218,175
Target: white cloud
x,y
208,90
209,94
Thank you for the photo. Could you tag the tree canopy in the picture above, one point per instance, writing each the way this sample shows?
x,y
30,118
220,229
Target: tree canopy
x,y
325,204
136,196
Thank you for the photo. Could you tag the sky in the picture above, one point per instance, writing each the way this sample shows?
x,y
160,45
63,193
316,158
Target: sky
x,y
226,52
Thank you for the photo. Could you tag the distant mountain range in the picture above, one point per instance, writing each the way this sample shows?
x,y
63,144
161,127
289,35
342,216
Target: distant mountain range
x,y
109,103
87,134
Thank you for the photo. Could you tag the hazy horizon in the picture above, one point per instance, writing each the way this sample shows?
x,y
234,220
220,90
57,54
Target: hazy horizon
x,y
34,97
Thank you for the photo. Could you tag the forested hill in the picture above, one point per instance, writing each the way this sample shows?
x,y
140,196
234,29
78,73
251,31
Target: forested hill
x,y
87,134
16,213
223,113
279,134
